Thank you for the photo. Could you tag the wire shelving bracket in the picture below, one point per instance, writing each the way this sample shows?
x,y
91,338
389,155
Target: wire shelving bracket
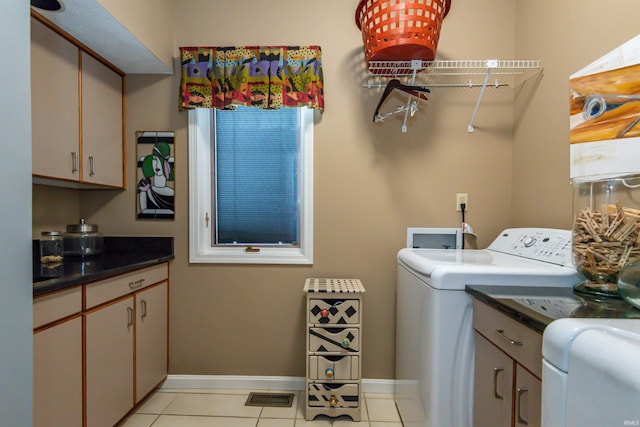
x,y
455,73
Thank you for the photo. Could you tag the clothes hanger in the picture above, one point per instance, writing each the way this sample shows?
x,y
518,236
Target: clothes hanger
x,y
395,84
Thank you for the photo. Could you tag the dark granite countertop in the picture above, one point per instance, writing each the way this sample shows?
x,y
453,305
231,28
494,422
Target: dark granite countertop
x,y
120,255
536,307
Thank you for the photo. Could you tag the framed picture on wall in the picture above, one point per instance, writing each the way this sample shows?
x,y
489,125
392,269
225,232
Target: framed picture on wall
x,y
155,175
604,123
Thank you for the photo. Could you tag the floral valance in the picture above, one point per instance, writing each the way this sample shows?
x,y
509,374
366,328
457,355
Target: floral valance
x,y
267,77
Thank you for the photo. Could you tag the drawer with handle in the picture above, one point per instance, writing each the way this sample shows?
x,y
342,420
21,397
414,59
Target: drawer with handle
x,y
334,340
515,339
330,368
334,395
56,306
106,290
334,311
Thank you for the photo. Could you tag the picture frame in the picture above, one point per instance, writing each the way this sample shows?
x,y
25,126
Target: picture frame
x,y
155,190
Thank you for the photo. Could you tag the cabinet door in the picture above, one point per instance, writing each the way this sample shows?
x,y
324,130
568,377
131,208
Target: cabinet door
x,y
493,385
102,146
528,391
57,375
109,363
54,105
151,338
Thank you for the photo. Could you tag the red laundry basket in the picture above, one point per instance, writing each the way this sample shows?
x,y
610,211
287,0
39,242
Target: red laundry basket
x,y
401,30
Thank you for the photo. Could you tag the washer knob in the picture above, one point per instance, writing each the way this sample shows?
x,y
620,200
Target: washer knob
x,y
529,241
324,313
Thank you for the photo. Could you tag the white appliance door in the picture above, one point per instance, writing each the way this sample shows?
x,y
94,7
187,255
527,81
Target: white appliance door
x,y
603,387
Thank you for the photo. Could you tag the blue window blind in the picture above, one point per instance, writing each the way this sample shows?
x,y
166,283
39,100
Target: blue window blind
x,y
256,160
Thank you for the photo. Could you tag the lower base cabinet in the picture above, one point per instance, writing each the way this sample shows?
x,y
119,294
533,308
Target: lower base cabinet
x,y
528,398
500,397
151,338
109,363
493,386
100,348
508,367
57,372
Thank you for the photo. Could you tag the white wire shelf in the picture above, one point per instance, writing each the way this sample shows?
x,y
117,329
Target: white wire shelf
x,y
471,73
457,67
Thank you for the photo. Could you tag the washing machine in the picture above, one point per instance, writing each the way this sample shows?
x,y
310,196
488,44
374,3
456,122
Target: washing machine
x,y
590,373
434,333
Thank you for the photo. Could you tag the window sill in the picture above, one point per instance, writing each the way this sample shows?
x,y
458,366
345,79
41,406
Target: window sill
x,y
238,255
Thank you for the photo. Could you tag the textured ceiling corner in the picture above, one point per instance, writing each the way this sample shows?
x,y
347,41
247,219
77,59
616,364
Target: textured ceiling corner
x,y
91,24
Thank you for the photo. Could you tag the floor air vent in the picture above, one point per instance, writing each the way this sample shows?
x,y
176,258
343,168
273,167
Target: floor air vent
x,y
279,400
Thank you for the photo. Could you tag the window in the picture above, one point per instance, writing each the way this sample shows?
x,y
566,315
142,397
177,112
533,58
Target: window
x,y
250,186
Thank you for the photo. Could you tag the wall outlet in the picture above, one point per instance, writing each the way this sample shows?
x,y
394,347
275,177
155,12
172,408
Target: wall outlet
x,y
460,199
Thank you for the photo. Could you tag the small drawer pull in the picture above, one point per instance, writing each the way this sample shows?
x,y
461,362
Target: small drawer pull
x,y
136,284
500,333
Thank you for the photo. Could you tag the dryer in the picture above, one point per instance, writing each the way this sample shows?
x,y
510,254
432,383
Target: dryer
x,y
434,334
590,373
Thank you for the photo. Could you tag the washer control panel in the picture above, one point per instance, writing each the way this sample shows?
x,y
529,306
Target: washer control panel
x,y
541,244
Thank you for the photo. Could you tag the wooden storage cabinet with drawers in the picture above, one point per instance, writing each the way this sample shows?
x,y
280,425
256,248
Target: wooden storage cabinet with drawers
x,y
334,330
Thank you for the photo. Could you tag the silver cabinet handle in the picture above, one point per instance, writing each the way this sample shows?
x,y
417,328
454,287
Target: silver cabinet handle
x,y
74,162
130,317
143,304
521,391
496,371
136,284
501,334
92,166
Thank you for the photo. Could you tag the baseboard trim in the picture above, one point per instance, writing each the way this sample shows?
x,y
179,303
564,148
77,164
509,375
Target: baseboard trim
x,y
239,382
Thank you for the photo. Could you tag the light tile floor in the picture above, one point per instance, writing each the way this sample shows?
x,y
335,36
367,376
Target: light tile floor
x,y
225,408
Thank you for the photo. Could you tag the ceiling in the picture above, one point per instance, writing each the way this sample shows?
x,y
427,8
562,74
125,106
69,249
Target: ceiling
x,y
91,24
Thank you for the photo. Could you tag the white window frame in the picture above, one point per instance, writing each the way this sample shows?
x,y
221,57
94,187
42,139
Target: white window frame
x,y
200,203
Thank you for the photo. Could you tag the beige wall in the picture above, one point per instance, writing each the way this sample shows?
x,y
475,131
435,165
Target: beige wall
x,y
150,21
371,180
54,208
566,35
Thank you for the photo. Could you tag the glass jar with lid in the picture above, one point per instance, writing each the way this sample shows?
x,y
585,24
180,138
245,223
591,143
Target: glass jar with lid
x,y
83,239
51,247
606,230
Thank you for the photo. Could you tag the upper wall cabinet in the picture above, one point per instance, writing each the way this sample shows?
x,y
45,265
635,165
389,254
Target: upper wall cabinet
x,y
101,124
54,104
77,115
